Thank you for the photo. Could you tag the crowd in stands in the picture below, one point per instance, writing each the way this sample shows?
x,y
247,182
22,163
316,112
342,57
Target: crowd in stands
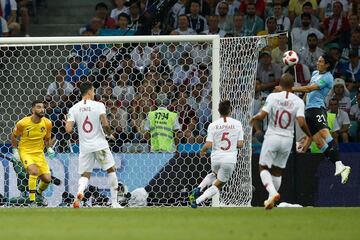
x,y
15,17
130,77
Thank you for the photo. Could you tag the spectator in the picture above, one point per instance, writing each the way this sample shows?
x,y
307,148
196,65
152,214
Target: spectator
x,y
186,71
183,26
340,93
267,73
225,19
296,8
176,11
355,109
278,52
259,6
140,55
205,9
118,119
259,100
123,91
335,52
172,53
60,89
252,23
122,30
336,24
214,27
202,53
136,21
205,79
3,27
202,106
346,35
156,28
271,27
157,63
283,22
94,26
187,117
351,71
342,122
119,8
101,69
302,76
8,12
326,8
238,26
24,13
162,124
89,53
307,8
311,53
197,22
127,66
75,69
102,12
299,35
233,7
353,46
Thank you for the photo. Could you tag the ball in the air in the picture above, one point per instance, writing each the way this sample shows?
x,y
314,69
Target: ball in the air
x,y
290,58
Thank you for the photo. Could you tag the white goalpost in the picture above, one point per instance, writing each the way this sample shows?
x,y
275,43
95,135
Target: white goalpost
x,y
131,74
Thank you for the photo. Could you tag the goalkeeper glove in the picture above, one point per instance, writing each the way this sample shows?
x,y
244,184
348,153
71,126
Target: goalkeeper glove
x,y
51,153
16,155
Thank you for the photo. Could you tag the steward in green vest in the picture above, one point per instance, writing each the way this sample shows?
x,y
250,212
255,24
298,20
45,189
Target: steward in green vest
x,y
162,124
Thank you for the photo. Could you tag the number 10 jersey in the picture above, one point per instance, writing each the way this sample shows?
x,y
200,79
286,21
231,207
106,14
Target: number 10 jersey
x,y
86,115
282,109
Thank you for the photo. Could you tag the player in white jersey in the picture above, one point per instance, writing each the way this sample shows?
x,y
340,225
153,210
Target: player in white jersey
x,y
282,109
90,117
225,136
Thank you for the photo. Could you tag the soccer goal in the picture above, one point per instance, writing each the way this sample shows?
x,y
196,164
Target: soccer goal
x,y
132,75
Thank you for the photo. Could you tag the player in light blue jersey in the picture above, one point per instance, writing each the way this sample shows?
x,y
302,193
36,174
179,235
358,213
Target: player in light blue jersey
x,y
315,113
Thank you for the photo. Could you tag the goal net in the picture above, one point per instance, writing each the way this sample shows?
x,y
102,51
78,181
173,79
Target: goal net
x,y
188,75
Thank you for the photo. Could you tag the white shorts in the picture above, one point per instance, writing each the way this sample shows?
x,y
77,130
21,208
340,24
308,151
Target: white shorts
x,y
223,171
103,157
275,151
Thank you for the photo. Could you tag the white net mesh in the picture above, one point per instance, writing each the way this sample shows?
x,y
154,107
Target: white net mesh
x,y
131,79
238,63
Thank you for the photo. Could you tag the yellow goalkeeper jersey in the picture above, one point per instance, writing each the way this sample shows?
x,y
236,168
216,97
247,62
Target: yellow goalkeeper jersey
x,y
32,134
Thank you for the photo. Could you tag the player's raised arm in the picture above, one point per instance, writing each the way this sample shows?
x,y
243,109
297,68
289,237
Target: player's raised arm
x,y
306,89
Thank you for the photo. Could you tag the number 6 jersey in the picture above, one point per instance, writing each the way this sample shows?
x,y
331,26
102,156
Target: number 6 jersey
x,y
86,115
224,137
282,109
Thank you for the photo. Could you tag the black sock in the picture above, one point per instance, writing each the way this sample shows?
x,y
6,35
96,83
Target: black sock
x,y
332,152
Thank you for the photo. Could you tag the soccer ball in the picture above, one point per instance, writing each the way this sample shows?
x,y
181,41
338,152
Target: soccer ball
x,y
290,58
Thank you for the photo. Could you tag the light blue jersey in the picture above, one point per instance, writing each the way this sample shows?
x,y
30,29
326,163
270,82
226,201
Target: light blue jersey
x,y
316,98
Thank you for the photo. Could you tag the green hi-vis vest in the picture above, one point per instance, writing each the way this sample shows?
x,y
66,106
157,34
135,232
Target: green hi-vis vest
x,y
161,130
330,118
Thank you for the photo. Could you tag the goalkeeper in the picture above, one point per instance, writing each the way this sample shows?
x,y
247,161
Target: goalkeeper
x,y
34,132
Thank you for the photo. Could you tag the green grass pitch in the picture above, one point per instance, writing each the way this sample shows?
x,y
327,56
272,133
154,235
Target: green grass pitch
x,y
180,223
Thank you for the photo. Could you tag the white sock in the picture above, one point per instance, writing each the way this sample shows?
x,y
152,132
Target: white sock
x,y
207,181
211,191
339,164
113,184
267,182
83,183
276,182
